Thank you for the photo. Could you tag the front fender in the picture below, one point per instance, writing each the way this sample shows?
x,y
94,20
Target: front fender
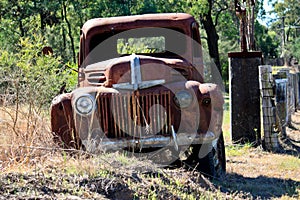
x,y
62,122
210,102
205,113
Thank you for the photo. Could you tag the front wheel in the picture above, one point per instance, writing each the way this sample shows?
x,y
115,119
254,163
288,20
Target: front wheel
x,y
209,158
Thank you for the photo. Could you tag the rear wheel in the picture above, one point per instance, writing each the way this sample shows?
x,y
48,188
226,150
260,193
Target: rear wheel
x,y
209,158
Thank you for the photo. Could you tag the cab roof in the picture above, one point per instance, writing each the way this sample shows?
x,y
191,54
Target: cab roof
x,y
138,21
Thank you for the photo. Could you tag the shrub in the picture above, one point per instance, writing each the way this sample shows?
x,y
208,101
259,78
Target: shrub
x,y
28,82
30,77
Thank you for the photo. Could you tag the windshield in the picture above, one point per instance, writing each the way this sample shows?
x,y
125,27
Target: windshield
x,y
144,45
161,42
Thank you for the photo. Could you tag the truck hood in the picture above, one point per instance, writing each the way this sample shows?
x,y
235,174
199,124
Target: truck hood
x,y
146,69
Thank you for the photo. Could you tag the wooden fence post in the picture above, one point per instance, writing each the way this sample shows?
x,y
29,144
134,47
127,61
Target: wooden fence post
x,y
289,96
245,121
295,91
282,103
268,107
298,90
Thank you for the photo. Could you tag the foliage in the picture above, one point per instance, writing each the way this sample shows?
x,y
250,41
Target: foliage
x,y
199,7
141,45
290,9
29,81
267,41
60,21
288,12
295,48
29,76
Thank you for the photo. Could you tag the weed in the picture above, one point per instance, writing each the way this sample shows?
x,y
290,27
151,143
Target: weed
x,y
290,163
237,150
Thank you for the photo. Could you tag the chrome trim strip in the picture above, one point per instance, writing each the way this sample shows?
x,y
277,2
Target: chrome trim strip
x,y
183,139
136,77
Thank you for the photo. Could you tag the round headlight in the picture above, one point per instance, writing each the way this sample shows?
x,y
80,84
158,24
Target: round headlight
x,y
85,104
183,99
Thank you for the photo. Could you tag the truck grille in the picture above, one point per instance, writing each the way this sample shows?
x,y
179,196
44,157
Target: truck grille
x,y
135,115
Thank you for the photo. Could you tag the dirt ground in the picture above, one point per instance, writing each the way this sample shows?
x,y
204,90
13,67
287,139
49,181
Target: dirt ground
x,y
252,173
262,174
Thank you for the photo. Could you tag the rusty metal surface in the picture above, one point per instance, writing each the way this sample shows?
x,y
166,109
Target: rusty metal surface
x,y
149,115
123,114
174,21
137,21
62,122
108,73
157,141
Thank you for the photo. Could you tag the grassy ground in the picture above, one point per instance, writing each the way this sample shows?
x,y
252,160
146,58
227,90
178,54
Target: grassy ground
x,y
263,174
32,167
226,120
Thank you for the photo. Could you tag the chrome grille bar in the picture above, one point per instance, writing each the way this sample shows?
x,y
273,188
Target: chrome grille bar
x,y
129,115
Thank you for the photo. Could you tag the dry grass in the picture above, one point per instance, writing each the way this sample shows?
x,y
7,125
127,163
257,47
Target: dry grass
x,y
264,174
257,162
37,168
24,138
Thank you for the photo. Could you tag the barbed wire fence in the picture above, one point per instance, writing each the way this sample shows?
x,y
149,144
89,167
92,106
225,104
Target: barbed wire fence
x,y
280,99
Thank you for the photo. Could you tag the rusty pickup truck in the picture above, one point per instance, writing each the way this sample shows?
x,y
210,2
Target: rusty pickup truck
x,y
141,89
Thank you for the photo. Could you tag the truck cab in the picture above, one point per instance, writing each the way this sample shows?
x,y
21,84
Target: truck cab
x,y
141,89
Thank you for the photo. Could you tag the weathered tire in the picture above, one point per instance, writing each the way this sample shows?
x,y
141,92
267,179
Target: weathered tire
x,y
213,164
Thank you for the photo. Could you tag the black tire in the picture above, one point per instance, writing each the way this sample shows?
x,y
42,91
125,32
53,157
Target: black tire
x,y
211,161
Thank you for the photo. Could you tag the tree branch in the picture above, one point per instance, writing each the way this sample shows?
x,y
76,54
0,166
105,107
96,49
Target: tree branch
x,y
70,31
219,12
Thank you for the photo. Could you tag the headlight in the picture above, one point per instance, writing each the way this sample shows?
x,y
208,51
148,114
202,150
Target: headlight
x,y
183,99
85,104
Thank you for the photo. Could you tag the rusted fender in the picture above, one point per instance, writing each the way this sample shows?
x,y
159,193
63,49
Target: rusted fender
x,y
206,112
62,122
211,112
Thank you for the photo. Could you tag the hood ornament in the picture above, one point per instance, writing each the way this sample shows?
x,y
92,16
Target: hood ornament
x,y
136,77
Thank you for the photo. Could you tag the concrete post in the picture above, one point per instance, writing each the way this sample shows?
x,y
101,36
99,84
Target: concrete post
x,y
269,113
244,96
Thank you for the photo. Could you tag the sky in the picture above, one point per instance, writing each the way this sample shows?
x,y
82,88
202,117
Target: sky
x,y
268,17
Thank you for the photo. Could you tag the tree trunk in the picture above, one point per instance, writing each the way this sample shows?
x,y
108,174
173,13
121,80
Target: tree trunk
x,y
42,21
64,46
69,32
21,27
251,28
212,38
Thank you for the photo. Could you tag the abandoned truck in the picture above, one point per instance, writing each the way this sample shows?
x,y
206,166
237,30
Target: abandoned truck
x,y
141,89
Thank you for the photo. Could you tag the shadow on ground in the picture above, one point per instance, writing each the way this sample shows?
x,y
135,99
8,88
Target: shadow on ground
x,y
291,143
289,146
261,187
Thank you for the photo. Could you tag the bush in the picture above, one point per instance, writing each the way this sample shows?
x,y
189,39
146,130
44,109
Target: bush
x,y
28,82
29,77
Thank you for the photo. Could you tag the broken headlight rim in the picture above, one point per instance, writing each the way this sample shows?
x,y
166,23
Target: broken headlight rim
x,y
183,99
85,104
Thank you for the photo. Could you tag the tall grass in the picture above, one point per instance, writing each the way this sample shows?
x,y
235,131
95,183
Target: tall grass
x,y
28,82
226,120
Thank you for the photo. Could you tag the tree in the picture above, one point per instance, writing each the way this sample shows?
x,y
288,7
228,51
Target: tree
x,y
267,41
288,12
209,12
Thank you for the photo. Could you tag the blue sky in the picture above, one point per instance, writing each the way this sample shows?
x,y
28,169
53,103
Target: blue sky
x,y
268,7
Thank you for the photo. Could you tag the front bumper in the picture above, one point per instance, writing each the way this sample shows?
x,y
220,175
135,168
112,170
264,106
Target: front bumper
x,y
158,141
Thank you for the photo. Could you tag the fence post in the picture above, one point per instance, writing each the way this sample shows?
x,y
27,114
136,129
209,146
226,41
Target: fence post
x,y
294,92
298,90
289,96
245,122
282,103
266,84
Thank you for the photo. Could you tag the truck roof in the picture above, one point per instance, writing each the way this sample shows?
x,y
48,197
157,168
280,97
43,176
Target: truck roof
x,y
138,21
